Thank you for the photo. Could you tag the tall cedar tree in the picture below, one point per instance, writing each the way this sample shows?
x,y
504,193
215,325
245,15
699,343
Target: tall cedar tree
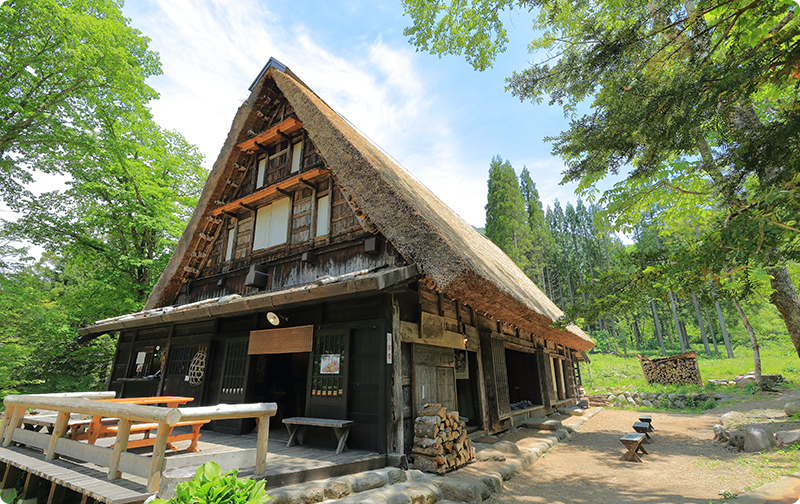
x,y
680,91
506,218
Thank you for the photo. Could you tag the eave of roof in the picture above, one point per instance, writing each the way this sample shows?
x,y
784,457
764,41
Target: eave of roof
x,y
226,306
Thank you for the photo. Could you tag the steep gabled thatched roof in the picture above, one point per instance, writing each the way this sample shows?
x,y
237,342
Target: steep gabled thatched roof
x,y
460,262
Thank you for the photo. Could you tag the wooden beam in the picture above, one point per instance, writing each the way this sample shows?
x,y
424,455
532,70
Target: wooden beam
x,y
309,184
286,127
284,192
266,192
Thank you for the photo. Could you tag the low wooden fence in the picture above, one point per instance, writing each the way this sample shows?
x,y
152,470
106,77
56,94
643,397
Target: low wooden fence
x,y
117,460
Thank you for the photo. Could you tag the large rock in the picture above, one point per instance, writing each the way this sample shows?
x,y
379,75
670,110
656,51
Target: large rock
x,y
647,403
542,423
758,437
791,408
788,436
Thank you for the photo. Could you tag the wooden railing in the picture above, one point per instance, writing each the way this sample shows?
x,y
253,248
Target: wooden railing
x,y
117,459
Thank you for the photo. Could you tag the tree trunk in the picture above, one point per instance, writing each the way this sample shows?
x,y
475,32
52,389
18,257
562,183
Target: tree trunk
x,y
711,332
569,282
665,327
787,302
637,335
701,324
753,343
657,326
677,322
723,329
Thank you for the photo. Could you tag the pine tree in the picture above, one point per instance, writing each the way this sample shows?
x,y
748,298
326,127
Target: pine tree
x,y
506,217
541,239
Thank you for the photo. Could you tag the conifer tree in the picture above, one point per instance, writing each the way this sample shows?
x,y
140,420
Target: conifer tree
x,y
506,217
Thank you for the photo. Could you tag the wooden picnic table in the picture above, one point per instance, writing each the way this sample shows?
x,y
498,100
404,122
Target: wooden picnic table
x,y
83,427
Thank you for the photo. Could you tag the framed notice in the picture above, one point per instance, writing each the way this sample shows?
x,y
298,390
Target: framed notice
x,y
329,364
462,369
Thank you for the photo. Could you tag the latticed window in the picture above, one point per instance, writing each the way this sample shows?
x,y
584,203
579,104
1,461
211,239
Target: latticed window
x,y
233,378
329,364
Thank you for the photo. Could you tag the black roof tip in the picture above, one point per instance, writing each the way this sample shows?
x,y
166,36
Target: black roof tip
x,y
272,63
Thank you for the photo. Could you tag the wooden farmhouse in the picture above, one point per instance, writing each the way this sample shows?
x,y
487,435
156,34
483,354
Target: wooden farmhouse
x,y
318,274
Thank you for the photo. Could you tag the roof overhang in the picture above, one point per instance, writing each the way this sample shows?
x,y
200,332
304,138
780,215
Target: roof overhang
x,y
226,306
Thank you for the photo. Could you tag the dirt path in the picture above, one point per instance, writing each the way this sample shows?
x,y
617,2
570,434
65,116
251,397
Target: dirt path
x,y
683,465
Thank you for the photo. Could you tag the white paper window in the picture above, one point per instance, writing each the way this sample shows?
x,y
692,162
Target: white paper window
x,y
261,173
231,242
296,152
272,224
323,216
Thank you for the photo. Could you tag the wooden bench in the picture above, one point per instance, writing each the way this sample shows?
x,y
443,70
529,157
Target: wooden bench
x,y
148,428
86,481
648,419
633,442
297,424
643,428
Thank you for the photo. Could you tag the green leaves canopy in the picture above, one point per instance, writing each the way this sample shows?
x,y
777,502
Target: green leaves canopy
x,y
60,60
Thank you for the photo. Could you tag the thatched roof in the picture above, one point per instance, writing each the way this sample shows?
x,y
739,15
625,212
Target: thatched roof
x,y
460,262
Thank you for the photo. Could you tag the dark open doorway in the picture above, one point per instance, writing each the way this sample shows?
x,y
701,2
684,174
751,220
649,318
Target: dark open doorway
x,y
280,378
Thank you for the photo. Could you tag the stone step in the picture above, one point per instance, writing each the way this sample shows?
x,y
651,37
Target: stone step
x,y
543,424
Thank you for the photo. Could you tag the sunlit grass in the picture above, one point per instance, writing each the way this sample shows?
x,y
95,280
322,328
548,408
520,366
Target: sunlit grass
x,y
607,371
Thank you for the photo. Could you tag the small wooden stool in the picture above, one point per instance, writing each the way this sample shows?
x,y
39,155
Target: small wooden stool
x,y
648,419
643,428
633,442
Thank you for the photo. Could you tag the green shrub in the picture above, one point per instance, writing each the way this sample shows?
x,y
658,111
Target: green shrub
x,y
210,486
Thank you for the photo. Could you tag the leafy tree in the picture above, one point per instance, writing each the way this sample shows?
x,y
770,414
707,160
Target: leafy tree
x,y
59,61
692,99
506,217
131,192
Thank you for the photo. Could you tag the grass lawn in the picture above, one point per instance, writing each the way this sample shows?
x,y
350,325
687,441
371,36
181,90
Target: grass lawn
x,y
607,371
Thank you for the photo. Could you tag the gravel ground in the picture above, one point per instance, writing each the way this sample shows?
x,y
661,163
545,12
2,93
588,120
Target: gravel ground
x,y
684,465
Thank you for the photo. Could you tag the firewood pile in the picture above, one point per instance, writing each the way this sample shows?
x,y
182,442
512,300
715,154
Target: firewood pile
x,y
675,370
440,441
598,400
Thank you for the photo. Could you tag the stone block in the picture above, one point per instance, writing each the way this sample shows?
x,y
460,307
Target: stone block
x,y
791,408
542,423
758,437
490,455
788,437
368,481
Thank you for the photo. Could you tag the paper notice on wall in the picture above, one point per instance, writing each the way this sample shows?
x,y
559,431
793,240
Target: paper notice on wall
x,y
330,364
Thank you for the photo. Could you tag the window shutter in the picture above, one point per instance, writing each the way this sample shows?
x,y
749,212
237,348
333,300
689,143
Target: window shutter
x,y
323,216
279,222
263,219
231,242
297,149
261,173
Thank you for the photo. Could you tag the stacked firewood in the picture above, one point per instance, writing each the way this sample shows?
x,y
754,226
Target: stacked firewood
x,y
675,370
440,440
598,400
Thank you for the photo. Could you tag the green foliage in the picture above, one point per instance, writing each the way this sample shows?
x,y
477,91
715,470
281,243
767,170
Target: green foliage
x,y
60,60
506,217
608,371
210,486
39,352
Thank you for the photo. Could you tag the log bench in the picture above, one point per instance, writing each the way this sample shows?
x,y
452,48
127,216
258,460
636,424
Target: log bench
x,y
643,428
633,442
297,424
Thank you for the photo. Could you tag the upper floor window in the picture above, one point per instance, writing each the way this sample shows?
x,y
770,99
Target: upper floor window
x,y
272,224
271,166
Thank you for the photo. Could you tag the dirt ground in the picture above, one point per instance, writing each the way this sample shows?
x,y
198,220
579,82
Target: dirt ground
x,y
684,465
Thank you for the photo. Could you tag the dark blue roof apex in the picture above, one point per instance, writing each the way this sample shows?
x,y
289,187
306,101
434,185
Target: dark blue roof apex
x,y
272,63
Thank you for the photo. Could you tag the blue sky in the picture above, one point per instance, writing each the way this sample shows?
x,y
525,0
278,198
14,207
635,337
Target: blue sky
x,y
439,118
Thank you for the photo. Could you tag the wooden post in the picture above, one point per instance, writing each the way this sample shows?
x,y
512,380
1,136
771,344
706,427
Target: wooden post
x,y
261,445
59,429
31,489
157,462
397,436
6,420
16,421
120,445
